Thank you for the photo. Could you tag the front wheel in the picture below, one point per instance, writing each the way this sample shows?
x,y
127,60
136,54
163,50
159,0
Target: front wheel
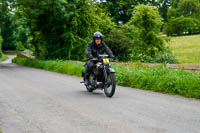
x,y
110,85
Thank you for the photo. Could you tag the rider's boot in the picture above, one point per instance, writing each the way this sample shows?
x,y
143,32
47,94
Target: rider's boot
x,y
86,81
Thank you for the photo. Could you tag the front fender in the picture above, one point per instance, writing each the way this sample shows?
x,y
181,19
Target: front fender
x,y
111,70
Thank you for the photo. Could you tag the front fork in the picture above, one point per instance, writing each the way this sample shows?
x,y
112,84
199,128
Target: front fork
x,y
105,75
110,70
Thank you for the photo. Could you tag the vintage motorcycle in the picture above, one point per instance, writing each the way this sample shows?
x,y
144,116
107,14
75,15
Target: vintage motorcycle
x,y
102,77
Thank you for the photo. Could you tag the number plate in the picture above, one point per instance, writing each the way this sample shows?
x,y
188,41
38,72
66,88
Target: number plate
x,y
106,60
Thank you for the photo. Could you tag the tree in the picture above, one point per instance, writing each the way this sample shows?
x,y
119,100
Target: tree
x,y
163,8
183,17
181,25
189,8
61,28
6,24
147,21
119,43
121,10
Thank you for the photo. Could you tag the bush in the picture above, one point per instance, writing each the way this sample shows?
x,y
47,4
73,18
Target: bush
x,y
159,79
139,39
181,25
183,18
119,44
61,32
20,47
148,45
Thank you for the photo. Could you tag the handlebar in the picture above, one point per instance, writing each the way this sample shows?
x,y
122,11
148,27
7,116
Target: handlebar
x,y
96,59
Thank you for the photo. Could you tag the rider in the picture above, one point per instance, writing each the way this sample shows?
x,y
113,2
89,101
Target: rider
x,y
95,48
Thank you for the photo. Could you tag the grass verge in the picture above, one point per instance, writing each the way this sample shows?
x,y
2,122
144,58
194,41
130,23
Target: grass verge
x,y
159,79
4,57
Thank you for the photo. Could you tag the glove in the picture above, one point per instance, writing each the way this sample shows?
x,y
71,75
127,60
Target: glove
x,y
113,57
90,57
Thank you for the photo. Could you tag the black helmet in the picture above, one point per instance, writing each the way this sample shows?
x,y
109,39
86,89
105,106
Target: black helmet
x,y
97,35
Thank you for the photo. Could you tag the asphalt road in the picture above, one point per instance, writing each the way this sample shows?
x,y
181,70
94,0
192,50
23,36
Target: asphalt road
x,y
38,101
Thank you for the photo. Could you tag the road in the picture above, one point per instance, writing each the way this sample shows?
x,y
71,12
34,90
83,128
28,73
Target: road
x,y
39,101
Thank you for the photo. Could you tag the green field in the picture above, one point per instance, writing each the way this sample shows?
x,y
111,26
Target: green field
x,y
186,49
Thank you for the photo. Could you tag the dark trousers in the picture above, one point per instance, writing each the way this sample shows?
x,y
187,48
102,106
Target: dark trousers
x,y
89,68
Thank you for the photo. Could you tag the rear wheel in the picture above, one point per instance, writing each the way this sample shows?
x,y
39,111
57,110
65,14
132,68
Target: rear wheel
x,y
91,80
110,86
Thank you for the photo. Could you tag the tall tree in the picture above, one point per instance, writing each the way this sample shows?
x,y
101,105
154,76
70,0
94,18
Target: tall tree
x,y
6,24
163,8
183,17
62,28
147,21
121,10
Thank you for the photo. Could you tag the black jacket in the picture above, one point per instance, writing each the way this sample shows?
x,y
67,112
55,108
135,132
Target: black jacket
x,y
93,50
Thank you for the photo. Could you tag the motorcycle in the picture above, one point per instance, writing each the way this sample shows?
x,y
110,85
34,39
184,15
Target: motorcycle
x,y
102,77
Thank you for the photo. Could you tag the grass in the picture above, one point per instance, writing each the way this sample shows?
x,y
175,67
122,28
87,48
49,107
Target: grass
x,y
4,57
1,131
186,49
159,79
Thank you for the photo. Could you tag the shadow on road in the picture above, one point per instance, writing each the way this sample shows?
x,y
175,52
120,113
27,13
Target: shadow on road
x,y
96,94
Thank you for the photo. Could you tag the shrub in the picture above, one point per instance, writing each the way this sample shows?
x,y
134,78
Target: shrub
x,y
183,18
181,25
64,31
119,44
20,47
148,45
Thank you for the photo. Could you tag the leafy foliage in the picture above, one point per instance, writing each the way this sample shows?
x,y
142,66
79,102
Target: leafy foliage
x,y
62,29
163,8
120,44
182,24
6,24
121,10
184,17
139,39
147,21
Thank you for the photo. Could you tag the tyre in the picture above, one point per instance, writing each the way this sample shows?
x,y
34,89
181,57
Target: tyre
x,y
109,89
90,87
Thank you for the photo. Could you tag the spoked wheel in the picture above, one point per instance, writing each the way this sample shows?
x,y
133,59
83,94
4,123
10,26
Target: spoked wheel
x,y
110,86
90,87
